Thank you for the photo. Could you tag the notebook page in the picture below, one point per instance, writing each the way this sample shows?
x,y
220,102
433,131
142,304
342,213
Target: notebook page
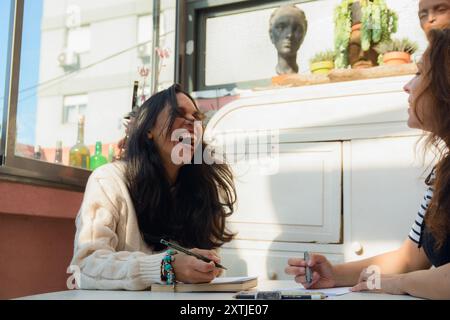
x,y
231,279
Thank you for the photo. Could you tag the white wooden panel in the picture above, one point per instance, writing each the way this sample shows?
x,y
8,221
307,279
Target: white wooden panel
x,y
301,201
386,188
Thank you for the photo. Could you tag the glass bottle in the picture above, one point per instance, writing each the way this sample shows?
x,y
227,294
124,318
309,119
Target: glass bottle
x,y
97,160
58,152
37,152
79,155
111,153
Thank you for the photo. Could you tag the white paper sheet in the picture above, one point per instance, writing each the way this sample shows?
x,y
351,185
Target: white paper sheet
x,y
328,292
232,279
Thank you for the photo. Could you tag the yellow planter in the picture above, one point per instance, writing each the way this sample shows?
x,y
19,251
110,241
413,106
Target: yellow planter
x,y
322,67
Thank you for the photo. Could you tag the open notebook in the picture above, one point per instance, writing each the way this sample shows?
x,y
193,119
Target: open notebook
x,y
223,284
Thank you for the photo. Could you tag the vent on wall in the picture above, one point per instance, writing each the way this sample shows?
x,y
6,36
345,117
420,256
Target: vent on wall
x,y
69,60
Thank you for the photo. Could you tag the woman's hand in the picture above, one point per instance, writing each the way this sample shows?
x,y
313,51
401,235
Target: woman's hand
x,y
322,271
189,269
379,283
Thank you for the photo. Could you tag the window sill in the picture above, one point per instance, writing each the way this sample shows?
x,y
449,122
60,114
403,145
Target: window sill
x,y
33,178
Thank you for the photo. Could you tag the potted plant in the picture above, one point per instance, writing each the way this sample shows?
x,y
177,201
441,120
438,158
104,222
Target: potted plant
x,y
322,62
372,20
397,51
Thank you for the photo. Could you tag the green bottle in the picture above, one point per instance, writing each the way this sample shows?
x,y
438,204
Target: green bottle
x,y
97,160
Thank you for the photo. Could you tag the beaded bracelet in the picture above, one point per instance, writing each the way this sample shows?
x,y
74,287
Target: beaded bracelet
x,y
167,272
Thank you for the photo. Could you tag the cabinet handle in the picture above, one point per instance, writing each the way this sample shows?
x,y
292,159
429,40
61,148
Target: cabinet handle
x,y
273,275
357,248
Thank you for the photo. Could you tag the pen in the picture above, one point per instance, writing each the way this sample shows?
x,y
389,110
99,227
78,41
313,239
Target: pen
x,y
307,269
186,251
304,297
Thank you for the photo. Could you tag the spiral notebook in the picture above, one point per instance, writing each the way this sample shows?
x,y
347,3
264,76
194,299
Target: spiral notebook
x,y
222,284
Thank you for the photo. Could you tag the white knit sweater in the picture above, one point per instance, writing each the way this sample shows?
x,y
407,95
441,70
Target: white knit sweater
x,y
109,249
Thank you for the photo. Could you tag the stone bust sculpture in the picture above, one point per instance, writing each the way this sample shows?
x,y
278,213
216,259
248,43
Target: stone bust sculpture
x,y
288,26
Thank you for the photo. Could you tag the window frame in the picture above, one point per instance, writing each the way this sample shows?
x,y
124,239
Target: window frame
x,y
4,119
15,168
191,18
198,12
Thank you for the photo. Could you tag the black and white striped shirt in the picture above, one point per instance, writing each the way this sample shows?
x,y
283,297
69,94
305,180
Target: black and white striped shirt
x,y
416,229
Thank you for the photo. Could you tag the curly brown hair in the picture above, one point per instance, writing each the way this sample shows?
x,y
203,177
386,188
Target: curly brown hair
x,y
436,88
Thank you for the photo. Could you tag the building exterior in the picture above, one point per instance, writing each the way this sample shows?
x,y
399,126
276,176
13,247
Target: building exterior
x,y
91,52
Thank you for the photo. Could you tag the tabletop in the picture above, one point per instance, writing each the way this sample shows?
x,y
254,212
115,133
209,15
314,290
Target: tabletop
x,y
148,295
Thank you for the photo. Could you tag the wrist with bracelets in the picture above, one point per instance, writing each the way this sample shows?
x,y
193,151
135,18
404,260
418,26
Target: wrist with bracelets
x,y
167,272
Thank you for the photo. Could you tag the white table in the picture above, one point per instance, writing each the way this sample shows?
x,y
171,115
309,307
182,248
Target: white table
x,y
148,295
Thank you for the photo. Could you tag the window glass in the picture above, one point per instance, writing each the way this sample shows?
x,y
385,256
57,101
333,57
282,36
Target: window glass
x,y
79,61
5,10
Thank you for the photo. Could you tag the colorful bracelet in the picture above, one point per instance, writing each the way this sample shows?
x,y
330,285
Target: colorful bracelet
x,y
167,272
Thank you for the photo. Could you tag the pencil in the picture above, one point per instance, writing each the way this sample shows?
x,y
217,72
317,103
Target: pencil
x,y
186,251
307,269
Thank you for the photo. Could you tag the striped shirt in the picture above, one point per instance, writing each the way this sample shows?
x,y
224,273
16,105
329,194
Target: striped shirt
x,y
416,228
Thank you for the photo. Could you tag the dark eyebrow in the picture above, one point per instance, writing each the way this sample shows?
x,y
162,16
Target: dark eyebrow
x,y
440,5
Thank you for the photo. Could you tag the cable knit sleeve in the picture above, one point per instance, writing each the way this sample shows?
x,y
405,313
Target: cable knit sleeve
x,y
100,264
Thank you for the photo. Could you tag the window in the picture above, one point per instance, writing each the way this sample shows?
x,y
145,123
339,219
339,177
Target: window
x,y
228,43
73,56
74,106
5,11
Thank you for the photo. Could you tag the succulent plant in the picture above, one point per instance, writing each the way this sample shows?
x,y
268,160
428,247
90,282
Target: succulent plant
x,y
328,55
397,45
378,23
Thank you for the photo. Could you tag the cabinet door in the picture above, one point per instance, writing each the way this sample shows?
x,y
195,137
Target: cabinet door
x,y
385,190
297,201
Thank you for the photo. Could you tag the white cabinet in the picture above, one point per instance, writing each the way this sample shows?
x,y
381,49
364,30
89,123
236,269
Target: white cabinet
x,y
348,179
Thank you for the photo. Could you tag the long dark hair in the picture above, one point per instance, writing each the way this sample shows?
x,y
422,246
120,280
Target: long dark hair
x,y
193,210
436,87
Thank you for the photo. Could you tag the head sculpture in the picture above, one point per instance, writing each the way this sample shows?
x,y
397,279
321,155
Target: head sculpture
x,y
288,26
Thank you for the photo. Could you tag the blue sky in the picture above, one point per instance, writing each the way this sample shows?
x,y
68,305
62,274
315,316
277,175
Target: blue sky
x,y
4,20
29,69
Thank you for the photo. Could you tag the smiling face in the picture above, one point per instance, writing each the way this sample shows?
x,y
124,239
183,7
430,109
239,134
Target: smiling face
x,y
434,14
186,130
287,30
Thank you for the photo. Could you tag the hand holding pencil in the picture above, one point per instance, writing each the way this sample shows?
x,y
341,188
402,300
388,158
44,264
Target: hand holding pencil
x,y
189,268
321,271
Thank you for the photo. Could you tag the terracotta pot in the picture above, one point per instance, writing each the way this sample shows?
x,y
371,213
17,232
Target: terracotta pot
x,y
356,27
322,67
362,65
396,58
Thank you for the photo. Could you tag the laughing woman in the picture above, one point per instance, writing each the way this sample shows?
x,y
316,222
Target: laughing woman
x,y
407,270
128,205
